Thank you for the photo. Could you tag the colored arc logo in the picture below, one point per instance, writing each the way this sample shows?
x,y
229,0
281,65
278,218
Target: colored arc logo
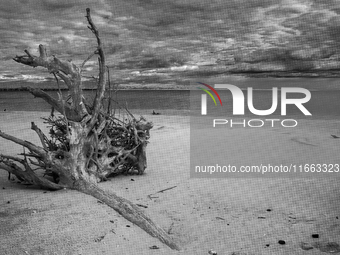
x,y
207,91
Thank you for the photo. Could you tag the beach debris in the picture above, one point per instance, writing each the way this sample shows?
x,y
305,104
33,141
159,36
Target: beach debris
x,y
296,220
161,127
212,252
170,228
89,141
155,113
151,197
306,246
161,191
282,242
315,235
219,218
140,205
154,247
329,247
99,239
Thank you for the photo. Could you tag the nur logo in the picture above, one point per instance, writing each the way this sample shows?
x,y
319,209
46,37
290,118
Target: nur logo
x,y
204,98
239,99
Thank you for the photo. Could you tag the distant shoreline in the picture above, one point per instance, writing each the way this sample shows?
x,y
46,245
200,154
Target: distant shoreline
x,y
89,89
185,81
282,74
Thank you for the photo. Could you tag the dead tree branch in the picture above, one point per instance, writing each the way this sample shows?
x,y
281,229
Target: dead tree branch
x,y
87,144
97,104
66,70
28,175
132,213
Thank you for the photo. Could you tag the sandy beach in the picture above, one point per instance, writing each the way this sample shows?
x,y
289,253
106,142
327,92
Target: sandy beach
x,y
239,216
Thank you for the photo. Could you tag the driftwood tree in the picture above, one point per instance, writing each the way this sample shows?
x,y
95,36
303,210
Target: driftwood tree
x,y
87,143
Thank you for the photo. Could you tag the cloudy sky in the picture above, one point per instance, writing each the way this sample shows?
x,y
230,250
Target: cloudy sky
x,y
131,28
60,25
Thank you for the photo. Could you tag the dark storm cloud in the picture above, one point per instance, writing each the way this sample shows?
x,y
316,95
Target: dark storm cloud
x,y
136,25
53,22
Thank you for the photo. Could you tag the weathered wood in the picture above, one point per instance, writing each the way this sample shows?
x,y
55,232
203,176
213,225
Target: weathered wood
x,y
98,101
87,144
70,113
43,139
29,176
129,211
67,71
32,147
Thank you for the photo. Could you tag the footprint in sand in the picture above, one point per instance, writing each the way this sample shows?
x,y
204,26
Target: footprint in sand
x,y
329,247
303,140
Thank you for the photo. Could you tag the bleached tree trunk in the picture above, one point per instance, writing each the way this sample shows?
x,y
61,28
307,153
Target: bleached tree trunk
x,y
76,161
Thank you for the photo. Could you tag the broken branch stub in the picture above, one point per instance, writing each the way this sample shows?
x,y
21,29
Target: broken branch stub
x,y
65,70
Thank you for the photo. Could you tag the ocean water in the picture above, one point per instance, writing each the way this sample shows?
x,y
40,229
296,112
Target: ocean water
x,y
132,99
324,103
